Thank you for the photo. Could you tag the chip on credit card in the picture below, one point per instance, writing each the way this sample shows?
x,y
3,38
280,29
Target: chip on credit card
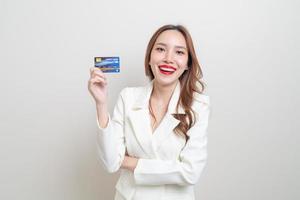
x,y
108,64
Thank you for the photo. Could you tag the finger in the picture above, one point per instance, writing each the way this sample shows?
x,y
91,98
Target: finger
x,y
91,70
99,73
95,69
98,80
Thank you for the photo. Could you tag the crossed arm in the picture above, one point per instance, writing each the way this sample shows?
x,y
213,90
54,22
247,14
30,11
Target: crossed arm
x,y
129,163
185,170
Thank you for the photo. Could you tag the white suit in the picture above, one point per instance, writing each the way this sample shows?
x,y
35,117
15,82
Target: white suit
x,y
167,168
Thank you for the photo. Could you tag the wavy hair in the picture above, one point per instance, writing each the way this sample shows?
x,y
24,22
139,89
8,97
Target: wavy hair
x,y
188,80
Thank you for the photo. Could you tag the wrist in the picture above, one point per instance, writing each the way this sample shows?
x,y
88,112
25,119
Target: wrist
x,y
129,163
134,164
101,104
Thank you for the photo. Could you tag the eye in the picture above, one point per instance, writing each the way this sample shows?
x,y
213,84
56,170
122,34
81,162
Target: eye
x,y
180,52
159,49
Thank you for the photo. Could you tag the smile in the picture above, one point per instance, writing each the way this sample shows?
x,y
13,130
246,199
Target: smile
x,y
166,69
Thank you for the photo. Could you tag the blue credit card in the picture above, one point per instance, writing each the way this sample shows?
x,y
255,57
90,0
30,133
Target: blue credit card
x,y
108,64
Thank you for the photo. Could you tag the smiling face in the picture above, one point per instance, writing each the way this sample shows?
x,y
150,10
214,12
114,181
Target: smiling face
x,y
169,57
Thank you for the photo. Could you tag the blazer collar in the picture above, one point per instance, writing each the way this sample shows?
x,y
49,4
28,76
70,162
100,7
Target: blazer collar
x,y
142,101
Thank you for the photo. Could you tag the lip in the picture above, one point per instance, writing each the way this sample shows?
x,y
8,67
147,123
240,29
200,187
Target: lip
x,y
167,66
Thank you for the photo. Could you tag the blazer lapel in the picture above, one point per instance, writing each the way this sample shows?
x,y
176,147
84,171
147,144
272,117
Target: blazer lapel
x,y
165,129
140,120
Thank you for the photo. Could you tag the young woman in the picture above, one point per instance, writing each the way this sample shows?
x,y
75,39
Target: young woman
x,y
157,135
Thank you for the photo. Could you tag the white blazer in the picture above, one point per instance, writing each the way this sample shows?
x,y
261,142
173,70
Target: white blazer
x,y
168,168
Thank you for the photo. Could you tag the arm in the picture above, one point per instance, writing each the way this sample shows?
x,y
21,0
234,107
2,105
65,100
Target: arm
x,y
187,169
129,163
110,138
102,115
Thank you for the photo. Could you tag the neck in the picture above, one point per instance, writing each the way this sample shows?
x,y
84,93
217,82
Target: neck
x,y
163,93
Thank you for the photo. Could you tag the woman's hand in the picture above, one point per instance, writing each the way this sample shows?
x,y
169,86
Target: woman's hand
x,y
97,86
129,163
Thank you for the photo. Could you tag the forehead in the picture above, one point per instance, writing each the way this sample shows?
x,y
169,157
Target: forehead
x,y
171,38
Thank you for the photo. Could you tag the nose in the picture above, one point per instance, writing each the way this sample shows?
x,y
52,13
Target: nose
x,y
168,57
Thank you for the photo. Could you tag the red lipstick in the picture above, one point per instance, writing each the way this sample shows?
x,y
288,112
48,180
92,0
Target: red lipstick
x,y
166,69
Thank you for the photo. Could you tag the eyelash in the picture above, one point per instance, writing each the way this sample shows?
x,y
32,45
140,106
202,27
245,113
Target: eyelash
x,y
180,52
161,49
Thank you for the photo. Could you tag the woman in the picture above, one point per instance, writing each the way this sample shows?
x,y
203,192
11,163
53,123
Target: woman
x,y
158,133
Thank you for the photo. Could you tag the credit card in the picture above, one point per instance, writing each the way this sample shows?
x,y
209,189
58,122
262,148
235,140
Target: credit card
x,y
108,64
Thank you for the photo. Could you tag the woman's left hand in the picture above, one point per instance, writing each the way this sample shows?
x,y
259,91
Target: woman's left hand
x,y
129,163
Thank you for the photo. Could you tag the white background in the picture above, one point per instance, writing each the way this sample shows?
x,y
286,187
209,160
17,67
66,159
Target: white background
x,y
248,51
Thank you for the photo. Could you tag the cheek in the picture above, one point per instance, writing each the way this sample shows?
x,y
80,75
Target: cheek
x,y
182,62
152,68
156,58
152,59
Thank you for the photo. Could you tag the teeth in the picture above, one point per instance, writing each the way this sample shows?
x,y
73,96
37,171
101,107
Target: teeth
x,y
167,69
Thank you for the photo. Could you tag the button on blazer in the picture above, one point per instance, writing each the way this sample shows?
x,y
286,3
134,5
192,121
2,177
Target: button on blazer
x,y
168,166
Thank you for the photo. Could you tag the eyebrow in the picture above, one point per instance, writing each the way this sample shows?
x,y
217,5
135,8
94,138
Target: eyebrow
x,y
163,44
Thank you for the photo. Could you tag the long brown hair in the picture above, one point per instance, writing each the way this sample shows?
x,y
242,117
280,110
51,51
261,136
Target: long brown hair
x,y
188,79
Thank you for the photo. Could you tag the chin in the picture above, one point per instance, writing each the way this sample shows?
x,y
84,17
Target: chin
x,y
165,81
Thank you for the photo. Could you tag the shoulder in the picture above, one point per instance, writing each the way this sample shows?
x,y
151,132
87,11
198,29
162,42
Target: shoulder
x,y
130,91
201,107
201,104
201,99
129,95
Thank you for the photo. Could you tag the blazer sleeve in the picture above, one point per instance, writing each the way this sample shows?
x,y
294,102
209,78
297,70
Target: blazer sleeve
x,y
111,139
187,169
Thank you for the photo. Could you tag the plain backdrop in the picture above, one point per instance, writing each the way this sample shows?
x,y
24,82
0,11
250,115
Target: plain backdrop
x,y
249,53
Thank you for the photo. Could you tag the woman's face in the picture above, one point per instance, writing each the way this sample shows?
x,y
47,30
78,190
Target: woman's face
x,y
169,57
